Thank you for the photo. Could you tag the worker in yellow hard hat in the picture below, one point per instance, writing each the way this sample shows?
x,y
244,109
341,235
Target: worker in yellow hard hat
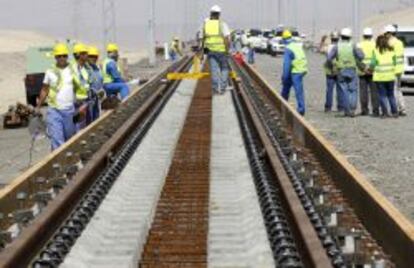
x,y
58,92
294,70
114,84
175,49
96,84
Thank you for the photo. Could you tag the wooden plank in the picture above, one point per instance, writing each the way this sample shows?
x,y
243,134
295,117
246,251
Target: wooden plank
x,y
393,231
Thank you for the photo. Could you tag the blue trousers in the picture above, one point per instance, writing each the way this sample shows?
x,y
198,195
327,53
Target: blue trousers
x,y
386,94
250,56
60,126
349,86
296,80
331,83
219,69
93,110
115,88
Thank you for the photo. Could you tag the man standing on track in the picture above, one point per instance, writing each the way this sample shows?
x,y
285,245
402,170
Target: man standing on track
x,y
216,44
295,67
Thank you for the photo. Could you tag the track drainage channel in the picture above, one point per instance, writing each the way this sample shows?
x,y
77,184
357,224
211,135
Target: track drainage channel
x,y
178,235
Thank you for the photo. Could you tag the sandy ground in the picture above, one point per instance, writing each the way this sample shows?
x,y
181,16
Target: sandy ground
x,y
401,18
380,148
15,145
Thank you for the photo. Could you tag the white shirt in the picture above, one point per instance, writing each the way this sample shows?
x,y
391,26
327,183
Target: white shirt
x,y
66,96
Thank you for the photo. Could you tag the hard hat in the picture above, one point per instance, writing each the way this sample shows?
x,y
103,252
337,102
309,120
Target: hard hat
x,y
334,35
60,50
112,47
80,48
215,9
93,51
368,32
390,29
286,34
346,32
176,38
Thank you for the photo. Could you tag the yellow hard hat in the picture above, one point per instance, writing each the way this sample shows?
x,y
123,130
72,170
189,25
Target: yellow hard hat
x,y
60,50
112,47
286,34
93,51
80,48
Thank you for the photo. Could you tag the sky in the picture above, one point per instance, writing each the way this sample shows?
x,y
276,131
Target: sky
x,y
179,17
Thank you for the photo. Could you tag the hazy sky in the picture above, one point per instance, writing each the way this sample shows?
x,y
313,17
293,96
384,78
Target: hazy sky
x,y
176,17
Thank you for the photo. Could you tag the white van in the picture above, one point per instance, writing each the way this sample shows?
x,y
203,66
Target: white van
x,y
406,35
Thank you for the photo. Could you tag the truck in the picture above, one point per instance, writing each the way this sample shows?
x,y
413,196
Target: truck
x,y
406,35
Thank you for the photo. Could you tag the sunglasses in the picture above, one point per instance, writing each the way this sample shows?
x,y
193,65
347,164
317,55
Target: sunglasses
x,y
61,56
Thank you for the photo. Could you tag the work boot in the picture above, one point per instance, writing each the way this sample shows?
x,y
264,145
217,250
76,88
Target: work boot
x,y
328,110
364,113
402,113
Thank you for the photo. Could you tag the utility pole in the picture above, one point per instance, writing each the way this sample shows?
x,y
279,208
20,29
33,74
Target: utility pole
x,y
108,21
151,33
355,18
76,18
315,16
279,11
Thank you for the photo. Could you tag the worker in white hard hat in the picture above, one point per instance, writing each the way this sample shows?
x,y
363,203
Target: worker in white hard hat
x,y
367,89
216,44
398,46
331,72
175,49
347,56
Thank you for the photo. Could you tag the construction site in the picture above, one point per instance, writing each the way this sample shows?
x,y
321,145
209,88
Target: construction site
x,y
222,134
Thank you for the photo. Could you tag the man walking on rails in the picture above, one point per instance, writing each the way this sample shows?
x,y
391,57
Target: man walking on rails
x,y
216,41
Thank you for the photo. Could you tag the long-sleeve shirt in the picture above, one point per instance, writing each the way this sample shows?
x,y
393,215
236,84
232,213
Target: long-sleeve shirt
x,y
288,58
112,70
346,72
96,78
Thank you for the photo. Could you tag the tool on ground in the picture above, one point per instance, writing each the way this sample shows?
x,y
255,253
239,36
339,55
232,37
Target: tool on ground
x,y
17,116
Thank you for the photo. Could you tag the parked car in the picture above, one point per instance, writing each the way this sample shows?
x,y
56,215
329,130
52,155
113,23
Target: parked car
x,y
276,46
406,35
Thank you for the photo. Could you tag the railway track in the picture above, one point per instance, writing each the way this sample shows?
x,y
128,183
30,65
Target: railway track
x,y
177,177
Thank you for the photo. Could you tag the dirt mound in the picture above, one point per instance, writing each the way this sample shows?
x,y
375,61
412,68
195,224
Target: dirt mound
x,y
401,18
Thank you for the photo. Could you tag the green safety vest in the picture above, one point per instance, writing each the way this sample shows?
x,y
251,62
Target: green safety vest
x,y
367,47
107,78
54,90
299,63
346,58
82,83
399,54
213,37
384,70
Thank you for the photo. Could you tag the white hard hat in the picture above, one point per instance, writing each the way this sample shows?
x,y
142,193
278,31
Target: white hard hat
x,y
368,32
390,29
347,32
215,9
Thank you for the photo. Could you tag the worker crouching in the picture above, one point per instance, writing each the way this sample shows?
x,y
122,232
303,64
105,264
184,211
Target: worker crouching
x,y
114,84
294,70
58,91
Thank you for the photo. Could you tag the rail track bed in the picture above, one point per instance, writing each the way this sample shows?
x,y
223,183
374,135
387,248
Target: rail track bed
x,y
178,177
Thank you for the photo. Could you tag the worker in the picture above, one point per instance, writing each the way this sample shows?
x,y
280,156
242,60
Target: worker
x,y
216,44
294,70
331,72
367,87
114,84
175,49
347,55
80,69
383,64
96,84
59,92
398,46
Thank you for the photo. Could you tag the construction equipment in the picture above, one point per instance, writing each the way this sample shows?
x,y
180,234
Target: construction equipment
x,y
17,116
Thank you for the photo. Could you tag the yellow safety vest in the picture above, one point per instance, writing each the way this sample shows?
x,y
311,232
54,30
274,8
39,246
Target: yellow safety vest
x,y
399,54
54,89
299,63
346,58
384,70
367,47
213,37
107,78
82,83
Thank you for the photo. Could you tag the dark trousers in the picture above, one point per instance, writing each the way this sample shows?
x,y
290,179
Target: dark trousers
x,y
386,94
368,93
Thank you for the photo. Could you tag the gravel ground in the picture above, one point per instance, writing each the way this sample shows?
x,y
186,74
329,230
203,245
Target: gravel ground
x,y
379,148
15,144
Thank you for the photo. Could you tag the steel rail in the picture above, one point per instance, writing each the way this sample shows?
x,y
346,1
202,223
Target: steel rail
x,y
310,245
21,251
